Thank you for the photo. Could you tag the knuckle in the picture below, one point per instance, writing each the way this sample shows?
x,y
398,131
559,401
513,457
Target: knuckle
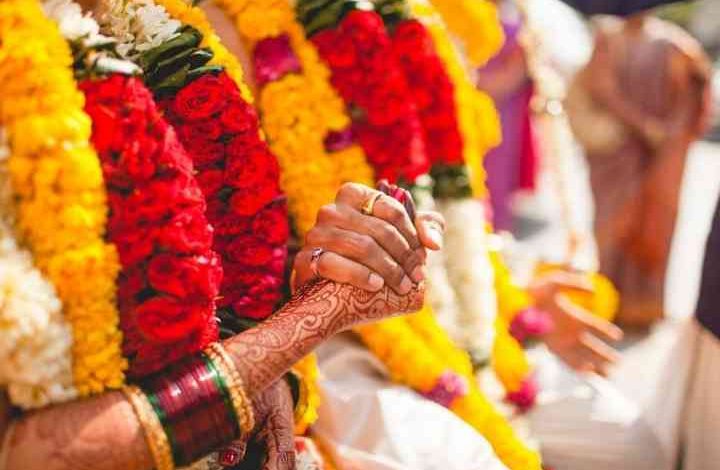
x,y
326,214
410,259
347,189
395,274
313,237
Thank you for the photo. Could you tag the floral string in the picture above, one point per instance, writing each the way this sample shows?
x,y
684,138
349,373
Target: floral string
x,y
302,115
58,184
35,340
366,74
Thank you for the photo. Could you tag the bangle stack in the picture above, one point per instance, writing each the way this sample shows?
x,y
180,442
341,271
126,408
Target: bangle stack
x,y
192,408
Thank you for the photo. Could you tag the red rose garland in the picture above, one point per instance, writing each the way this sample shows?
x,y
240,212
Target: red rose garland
x,y
239,177
366,74
432,91
170,276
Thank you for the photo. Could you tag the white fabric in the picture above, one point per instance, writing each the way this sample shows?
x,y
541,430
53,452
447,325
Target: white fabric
x,y
369,424
702,425
629,421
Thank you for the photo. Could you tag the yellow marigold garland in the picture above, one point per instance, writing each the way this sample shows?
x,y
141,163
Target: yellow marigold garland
x,y
475,23
394,341
59,188
297,112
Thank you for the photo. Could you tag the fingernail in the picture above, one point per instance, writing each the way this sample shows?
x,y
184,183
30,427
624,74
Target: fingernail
x,y
418,274
375,282
436,236
405,285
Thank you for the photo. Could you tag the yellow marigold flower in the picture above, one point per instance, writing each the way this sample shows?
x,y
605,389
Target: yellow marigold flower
x,y
58,184
476,24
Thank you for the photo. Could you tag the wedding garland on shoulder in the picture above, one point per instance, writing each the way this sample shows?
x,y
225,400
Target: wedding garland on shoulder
x,y
57,181
301,113
35,339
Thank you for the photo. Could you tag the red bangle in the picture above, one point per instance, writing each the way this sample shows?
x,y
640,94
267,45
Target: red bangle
x,y
193,404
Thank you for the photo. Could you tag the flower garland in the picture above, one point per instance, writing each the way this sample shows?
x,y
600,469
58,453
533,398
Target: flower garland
x,y
302,115
439,372
478,120
58,184
170,275
366,74
431,90
475,23
480,333
239,177
36,342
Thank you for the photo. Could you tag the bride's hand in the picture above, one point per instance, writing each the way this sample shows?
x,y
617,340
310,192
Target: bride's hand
x,y
372,249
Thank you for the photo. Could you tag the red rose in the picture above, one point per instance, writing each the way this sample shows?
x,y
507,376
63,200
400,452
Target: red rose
x,y
366,28
238,117
134,246
186,276
247,202
252,308
200,99
257,166
205,153
225,221
131,282
172,155
164,319
271,224
250,251
210,181
161,197
186,232
208,129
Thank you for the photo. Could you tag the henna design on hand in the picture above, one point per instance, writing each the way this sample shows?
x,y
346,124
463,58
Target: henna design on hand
x,y
318,310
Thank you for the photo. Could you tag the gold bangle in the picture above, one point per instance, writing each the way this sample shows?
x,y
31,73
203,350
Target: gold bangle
x,y
155,436
238,395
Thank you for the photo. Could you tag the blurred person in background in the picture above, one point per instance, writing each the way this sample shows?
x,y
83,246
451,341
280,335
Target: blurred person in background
x,y
512,165
636,107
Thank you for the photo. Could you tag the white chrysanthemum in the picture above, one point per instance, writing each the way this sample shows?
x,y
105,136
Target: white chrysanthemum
x,y
70,19
470,272
138,25
35,341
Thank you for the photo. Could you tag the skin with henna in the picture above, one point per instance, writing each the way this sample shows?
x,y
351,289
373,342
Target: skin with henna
x,y
102,432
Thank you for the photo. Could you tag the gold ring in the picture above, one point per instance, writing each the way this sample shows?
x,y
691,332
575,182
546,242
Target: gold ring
x,y
369,206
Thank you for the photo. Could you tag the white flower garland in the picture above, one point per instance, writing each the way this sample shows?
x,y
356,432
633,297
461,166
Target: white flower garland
x,y
470,272
35,341
440,293
137,25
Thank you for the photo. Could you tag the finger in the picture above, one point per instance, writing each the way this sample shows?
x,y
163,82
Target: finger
x,y
596,325
569,281
362,249
386,208
388,237
279,441
431,228
345,271
599,349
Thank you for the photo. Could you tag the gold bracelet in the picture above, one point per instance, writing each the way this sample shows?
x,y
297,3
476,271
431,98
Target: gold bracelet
x,y
238,395
155,436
